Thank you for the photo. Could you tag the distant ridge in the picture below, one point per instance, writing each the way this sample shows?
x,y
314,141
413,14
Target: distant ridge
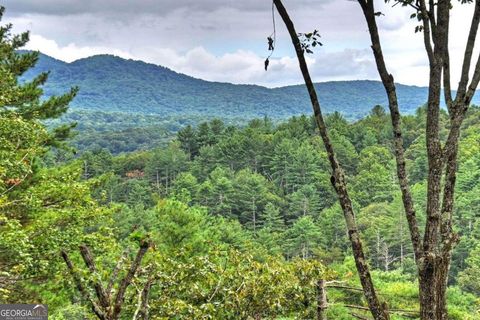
x,y
112,84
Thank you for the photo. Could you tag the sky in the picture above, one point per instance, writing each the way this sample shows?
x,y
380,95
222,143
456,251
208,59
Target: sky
x,y
225,40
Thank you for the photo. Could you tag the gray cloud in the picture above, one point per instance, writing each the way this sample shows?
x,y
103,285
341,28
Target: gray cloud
x,y
247,67
349,64
163,7
224,40
221,27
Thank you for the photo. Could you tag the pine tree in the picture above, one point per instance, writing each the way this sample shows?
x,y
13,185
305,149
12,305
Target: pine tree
x,y
304,166
222,192
185,187
468,279
25,98
217,127
188,141
165,164
251,195
204,134
272,218
304,202
280,164
303,238
217,192
374,182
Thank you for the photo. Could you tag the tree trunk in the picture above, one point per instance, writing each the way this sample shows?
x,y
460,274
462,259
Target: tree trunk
x,y
378,249
433,286
378,310
105,306
322,303
432,253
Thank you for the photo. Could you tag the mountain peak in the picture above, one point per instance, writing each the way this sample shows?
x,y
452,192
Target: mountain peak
x,y
114,84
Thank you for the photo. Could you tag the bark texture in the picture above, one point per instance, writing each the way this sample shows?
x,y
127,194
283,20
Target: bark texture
x,y
322,303
105,306
377,309
433,253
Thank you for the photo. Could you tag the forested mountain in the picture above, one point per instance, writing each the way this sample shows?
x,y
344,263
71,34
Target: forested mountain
x,y
200,200
112,84
126,105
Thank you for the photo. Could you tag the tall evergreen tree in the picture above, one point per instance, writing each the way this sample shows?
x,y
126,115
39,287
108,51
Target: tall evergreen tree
x,y
280,164
26,98
251,195
303,238
188,141
272,218
304,202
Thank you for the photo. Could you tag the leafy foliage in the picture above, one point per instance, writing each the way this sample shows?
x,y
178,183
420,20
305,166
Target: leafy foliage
x,y
242,219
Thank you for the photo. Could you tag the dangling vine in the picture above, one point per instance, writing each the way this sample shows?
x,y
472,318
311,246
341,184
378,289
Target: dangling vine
x,y
271,39
307,40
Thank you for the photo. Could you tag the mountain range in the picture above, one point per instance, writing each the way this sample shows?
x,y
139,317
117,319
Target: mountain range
x,y
110,84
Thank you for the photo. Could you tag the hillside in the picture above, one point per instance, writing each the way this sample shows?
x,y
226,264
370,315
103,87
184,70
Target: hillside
x,y
113,84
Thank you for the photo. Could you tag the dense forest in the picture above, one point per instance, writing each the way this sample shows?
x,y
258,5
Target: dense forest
x,y
218,219
256,189
110,83
146,104
234,213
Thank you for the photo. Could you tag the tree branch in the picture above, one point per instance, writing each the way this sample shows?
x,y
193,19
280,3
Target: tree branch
x,y
447,88
84,293
338,178
142,308
473,85
144,245
434,148
467,57
427,38
389,85
431,15
115,273
90,263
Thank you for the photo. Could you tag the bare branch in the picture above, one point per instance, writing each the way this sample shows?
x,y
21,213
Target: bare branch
x,y
467,58
90,263
84,293
389,85
142,308
115,273
144,245
338,178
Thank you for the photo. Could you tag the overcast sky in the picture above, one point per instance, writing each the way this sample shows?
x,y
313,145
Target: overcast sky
x,y
225,40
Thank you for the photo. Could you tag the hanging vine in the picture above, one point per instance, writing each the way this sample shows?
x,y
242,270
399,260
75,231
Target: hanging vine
x,y
308,41
271,39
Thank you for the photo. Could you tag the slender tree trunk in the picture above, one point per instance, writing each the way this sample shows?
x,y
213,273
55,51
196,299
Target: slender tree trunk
x,y
322,303
401,243
158,182
85,169
387,258
167,179
254,215
377,309
378,249
433,254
